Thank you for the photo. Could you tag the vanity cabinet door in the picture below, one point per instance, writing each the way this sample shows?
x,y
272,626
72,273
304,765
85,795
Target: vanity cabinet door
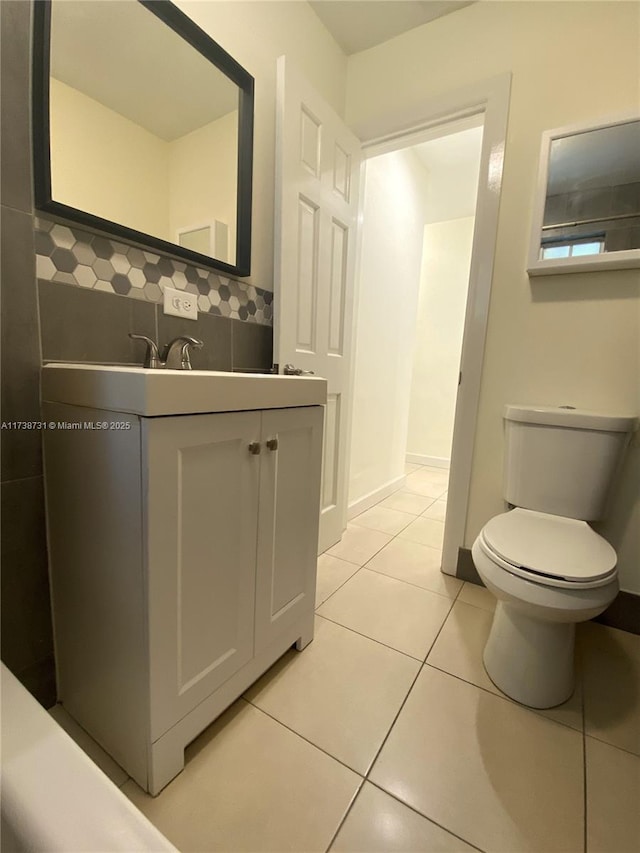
x,y
202,485
288,519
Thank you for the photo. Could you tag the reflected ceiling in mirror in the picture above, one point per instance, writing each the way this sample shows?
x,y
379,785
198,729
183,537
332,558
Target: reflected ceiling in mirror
x,y
147,126
588,207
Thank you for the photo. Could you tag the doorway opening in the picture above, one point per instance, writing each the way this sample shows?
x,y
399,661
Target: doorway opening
x,y
419,203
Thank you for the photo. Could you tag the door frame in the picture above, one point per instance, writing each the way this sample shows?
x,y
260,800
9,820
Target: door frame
x,y
401,129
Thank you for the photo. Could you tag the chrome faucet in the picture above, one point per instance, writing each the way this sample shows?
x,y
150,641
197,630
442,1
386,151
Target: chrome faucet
x,y
175,355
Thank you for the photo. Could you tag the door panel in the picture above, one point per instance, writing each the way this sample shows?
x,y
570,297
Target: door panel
x,y
288,519
310,142
307,279
337,286
202,484
329,459
342,172
317,172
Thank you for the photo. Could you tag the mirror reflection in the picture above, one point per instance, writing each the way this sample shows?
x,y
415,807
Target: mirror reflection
x,y
592,203
143,127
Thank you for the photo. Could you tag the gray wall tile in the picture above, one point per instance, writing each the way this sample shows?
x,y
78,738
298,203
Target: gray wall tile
x,y
589,204
626,198
252,346
27,641
86,325
555,209
215,332
15,140
620,239
21,453
26,615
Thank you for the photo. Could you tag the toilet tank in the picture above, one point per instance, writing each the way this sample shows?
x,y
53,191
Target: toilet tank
x,y
562,460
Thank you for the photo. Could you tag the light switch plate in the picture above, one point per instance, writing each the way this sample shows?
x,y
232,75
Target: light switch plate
x,y
180,303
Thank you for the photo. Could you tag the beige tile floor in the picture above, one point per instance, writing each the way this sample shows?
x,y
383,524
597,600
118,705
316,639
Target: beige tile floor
x,y
386,734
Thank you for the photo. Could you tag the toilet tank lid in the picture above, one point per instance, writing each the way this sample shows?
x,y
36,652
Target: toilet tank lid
x,y
570,417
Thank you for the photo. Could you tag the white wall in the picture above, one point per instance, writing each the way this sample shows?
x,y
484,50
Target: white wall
x,y
255,33
453,163
112,167
392,235
561,339
444,281
202,187
106,164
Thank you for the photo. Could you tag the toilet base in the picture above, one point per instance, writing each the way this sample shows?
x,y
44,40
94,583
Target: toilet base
x,y
530,660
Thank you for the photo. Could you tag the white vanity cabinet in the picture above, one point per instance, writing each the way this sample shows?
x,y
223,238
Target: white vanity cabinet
x,y
182,563
231,539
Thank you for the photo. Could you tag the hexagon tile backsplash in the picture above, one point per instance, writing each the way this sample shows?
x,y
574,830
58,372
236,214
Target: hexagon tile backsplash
x,y
69,255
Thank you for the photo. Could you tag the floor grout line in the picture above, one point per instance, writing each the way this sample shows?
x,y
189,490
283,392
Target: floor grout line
x,y
608,743
393,722
435,639
371,639
301,736
505,698
318,606
420,814
369,568
346,814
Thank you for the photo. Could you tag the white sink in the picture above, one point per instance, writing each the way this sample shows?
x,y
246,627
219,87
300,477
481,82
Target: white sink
x,y
140,391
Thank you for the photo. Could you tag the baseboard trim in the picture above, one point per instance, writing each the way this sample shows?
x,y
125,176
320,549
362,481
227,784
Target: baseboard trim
x,y
432,461
371,499
623,614
466,569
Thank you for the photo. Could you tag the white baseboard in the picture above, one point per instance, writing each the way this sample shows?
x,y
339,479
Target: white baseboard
x,y
375,496
432,461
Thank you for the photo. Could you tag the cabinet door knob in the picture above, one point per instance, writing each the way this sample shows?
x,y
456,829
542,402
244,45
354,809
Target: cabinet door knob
x,y
272,443
254,448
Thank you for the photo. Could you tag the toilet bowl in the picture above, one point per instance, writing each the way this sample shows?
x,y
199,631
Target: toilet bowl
x,y
548,573
546,566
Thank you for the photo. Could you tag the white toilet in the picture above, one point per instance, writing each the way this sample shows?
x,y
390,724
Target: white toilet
x,y
545,565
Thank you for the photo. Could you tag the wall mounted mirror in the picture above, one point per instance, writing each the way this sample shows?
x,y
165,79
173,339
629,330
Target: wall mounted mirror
x,y
587,210
143,129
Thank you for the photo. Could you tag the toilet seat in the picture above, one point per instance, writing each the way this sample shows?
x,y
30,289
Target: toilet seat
x,y
549,549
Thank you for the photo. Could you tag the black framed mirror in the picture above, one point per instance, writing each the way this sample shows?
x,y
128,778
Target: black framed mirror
x,y
143,129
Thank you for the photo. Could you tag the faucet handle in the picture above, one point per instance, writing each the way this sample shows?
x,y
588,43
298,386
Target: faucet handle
x,y
152,357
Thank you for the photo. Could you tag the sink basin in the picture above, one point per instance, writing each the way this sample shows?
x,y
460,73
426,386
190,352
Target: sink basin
x,y
151,393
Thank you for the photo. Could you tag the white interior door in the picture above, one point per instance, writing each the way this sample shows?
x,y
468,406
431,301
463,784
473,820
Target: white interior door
x,y
317,177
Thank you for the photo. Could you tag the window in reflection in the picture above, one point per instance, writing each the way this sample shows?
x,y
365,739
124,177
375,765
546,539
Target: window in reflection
x,y
571,248
592,204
